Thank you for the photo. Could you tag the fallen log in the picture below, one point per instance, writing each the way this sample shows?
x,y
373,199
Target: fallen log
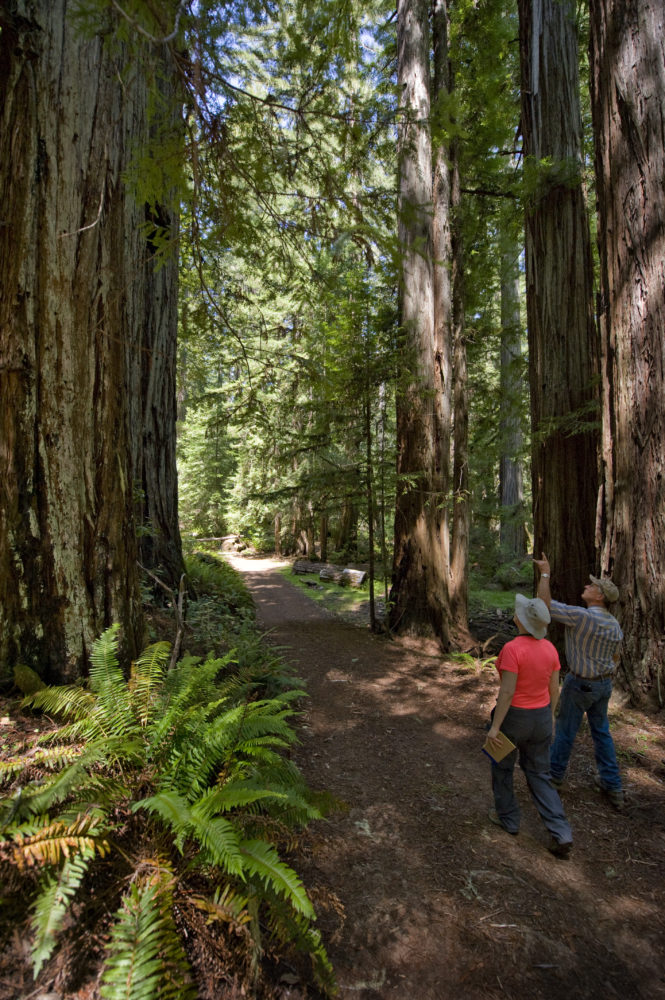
x,y
353,577
305,566
333,573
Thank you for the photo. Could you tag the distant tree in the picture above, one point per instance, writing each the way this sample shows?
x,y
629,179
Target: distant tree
x,y
563,340
419,593
628,96
86,374
513,535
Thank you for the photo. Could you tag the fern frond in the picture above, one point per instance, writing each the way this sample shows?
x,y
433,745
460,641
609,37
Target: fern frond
x,y
104,669
70,702
10,768
294,930
54,758
261,860
226,906
171,808
146,679
52,904
49,843
113,714
145,958
72,732
75,778
219,839
235,795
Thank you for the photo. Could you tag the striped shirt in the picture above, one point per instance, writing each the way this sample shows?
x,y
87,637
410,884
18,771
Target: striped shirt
x,y
592,636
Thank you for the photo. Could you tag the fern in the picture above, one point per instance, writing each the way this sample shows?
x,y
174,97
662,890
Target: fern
x,y
51,907
146,679
112,715
50,843
262,861
145,958
70,701
201,756
226,905
291,929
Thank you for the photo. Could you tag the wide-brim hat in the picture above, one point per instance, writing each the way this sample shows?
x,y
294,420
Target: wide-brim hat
x,y
533,614
608,588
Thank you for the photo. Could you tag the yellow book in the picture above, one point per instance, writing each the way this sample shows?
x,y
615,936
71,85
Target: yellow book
x,y
498,754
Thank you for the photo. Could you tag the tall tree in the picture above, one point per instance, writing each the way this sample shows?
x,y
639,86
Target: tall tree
x,y
419,593
563,341
75,306
628,96
513,535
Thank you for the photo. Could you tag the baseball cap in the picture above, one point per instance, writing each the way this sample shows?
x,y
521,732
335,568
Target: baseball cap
x,y
608,588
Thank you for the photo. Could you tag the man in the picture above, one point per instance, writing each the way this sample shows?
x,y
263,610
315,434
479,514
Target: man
x,y
592,640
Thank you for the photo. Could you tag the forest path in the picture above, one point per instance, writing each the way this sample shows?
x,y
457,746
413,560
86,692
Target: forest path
x,y
419,896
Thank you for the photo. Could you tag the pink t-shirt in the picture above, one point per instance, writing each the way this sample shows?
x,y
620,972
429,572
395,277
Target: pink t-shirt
x,y
534,661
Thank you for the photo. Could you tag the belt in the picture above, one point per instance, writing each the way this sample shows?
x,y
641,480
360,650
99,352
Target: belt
x,y
598,677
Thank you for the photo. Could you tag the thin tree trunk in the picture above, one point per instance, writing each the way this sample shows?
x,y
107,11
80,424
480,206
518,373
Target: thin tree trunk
x,y
628,95
419,594
278,535
370,504
323,536
563,342
512,532
459,547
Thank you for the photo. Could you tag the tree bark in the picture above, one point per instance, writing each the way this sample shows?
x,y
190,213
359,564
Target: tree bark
x,y
419,593
563,342
154,450
442,237
74,308
628,95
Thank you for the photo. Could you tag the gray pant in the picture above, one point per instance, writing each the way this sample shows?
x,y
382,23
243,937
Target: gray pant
x,y
530,729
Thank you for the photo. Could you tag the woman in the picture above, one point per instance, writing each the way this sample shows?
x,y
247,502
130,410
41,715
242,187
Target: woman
x,y
529,670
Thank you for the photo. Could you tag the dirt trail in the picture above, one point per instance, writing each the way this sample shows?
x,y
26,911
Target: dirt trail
x,y
419,896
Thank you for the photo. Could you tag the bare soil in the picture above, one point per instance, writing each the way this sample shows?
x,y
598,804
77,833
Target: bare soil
x,y
419,896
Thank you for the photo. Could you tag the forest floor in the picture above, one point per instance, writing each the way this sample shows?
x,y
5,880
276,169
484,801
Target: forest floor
x,y
419,896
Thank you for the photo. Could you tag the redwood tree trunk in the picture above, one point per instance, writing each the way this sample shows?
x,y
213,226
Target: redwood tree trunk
x,y
563,343
419,594
628,95
442,240
73,306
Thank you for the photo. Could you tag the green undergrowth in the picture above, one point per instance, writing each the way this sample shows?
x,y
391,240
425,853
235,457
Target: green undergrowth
x,y
341,599
482,599
157,810
331,595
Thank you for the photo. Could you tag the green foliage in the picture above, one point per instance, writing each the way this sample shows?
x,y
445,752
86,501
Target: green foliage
x,y
145,956
187,761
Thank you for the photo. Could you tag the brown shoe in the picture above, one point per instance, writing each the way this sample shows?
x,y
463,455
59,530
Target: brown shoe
x,y
494,818
615,796
560,850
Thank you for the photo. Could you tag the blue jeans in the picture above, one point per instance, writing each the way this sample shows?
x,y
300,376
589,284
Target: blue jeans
x,y
577,697
530,729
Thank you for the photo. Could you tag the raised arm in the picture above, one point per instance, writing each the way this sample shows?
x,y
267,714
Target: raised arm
x,y
544,581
